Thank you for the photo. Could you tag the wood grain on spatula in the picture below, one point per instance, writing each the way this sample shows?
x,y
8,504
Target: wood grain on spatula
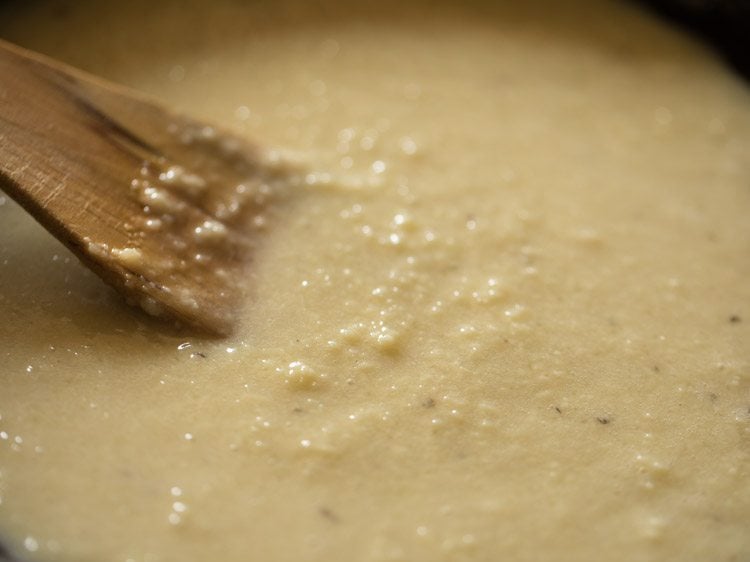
x,y
157,204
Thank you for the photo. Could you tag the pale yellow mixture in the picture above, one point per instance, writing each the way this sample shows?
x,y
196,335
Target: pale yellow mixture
x,y
506,317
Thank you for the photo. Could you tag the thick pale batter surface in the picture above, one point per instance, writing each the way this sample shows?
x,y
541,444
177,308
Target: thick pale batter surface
x,y
506,317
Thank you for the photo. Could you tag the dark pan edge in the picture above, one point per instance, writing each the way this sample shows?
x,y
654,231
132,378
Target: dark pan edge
x,y
724,24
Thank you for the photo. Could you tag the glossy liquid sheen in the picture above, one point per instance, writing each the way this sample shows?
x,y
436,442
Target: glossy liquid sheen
x,y
505,316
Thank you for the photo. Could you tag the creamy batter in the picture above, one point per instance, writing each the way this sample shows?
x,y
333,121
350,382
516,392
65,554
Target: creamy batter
x,y
506,316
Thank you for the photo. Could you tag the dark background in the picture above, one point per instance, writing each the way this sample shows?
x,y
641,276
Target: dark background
x,y
725,24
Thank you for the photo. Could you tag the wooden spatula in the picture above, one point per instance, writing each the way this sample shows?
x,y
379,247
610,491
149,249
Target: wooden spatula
x,y
159,205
